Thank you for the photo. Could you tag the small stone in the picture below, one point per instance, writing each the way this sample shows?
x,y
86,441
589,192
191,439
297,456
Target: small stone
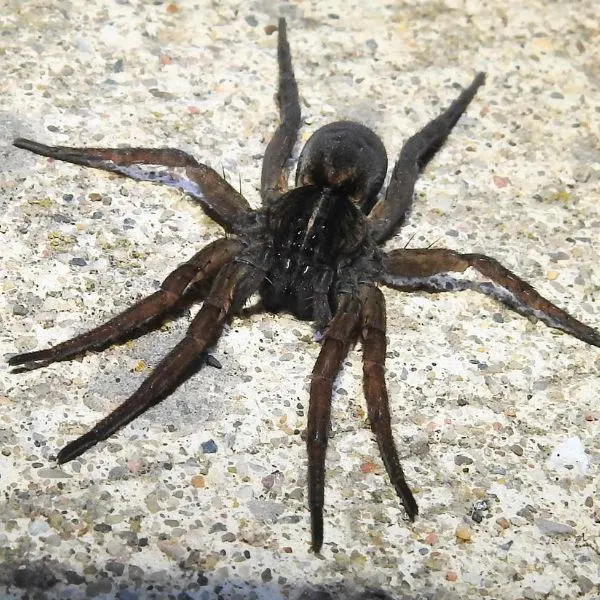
x,y
500,182
585,585
266,575
117,473
266,510
527,512
113,566
436,561
74,578
371,44
99,588
553,528
217,527
135,572
477,516
518,450
19,310
497,470
78,262
503,522
172,549
589,501
198,481
431,539
228,537
209,447
451,576
460,459
38,526
463,534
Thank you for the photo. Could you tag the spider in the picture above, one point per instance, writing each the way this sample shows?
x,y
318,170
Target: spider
x,y
313,250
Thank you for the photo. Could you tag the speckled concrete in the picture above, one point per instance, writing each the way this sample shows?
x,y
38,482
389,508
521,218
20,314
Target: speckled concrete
x,y
481,397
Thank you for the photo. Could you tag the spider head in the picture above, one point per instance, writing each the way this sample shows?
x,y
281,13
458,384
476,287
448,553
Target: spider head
x,y
346,157
316,222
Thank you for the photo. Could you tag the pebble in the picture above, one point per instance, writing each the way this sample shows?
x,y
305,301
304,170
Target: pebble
x,y
209,447
552,528
266,510
198,481
38,526
518,450
19,310
585,585
431,539
497,470
463,533
172,549
53,473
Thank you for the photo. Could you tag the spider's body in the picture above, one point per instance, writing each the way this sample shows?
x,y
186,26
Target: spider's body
x,y
316,232
312,250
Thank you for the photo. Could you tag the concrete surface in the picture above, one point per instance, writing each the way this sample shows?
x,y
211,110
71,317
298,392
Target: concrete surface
x,y
482,398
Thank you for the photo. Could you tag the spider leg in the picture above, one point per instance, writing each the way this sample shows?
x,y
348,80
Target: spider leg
x,y
219,200
273,180
233,285
336,344
374,347
422,268
201,267
416,152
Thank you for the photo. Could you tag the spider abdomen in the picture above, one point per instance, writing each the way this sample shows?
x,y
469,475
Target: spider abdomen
x,y
345,156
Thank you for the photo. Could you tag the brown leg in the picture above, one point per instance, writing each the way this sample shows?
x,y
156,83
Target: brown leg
x,y
273,181
336,344
416,152
423,268
219,200
374,346
202,266
181,362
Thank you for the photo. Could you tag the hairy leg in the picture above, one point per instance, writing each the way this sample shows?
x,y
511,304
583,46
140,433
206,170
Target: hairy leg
x,y
233,285
374,347
336,343
273,181
422,269
201,267
219,200
416,152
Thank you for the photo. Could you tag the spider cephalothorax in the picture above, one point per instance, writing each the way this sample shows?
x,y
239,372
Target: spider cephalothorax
x,y
312,250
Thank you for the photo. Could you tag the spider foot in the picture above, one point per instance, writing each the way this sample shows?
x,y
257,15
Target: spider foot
x,y
29,361
77,447
316,520
408,501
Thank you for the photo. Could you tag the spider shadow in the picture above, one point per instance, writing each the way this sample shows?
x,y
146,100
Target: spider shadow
x,y
49,578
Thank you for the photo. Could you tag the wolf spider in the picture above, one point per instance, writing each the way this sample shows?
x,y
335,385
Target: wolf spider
x,y
312,250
